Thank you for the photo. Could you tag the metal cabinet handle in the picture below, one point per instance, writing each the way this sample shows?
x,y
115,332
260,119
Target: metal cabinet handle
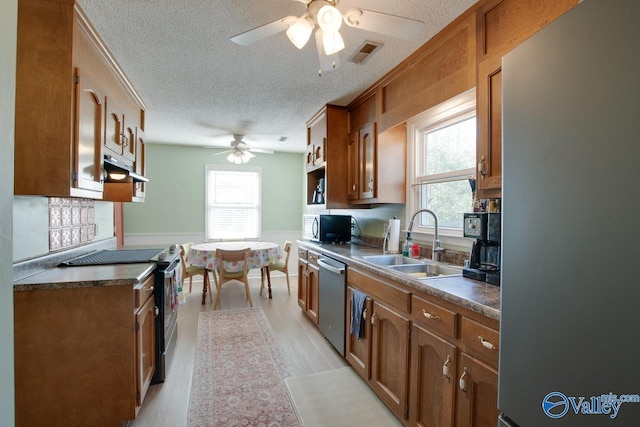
x,y
463,380
156,311
373,318
445,367
482,167
430,316
364,314
486,344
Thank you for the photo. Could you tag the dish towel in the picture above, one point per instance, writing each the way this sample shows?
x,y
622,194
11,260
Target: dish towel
x,y
357,307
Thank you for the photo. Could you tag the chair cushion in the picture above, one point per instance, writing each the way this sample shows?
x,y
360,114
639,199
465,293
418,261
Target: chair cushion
x,y
280,265
194,269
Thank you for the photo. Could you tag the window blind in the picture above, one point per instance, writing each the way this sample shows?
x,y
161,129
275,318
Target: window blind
x,y
233,203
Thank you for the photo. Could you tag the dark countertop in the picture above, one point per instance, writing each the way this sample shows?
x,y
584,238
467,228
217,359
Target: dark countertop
x,y
88,276
480,297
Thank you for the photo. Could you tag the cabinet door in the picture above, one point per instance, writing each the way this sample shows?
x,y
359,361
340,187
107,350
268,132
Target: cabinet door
x,y
140,165
489,124
114,128
302,285
145,348
316,140
433,379
358,351
88,134
390,358
353,166
368,176
129,144
477,397
312,292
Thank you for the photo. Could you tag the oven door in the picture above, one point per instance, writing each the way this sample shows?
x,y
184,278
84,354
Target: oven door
x,y
167,320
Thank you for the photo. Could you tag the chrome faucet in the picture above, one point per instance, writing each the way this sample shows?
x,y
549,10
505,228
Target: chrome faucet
x,y
437,250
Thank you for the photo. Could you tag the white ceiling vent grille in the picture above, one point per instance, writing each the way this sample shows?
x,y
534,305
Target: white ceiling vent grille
x,y
364,52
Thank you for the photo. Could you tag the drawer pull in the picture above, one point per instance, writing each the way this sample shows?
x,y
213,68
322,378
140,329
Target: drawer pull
x,y
486,344
429,315
364,314
463,380
445,367
373,319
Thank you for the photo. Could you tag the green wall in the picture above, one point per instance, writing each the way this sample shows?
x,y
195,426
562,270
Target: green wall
x,y
176,191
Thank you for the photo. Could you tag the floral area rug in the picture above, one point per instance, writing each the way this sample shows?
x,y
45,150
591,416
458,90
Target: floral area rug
x,y
238,372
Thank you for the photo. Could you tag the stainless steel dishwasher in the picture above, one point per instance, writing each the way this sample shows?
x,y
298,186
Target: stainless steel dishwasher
x,y
331,300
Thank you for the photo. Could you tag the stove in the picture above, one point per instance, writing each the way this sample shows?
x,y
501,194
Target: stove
x,y
122,256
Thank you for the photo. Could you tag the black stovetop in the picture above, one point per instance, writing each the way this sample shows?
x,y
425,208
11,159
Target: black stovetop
x,y
121,256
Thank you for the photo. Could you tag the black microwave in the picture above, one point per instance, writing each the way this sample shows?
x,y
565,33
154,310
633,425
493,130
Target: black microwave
x,y
327,228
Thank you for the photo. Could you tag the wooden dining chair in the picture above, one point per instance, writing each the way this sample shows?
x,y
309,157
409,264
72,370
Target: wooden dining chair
x,y
188,270
232,265
280,265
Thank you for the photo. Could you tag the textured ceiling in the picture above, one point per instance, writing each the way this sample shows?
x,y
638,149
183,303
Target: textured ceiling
x,y
199,87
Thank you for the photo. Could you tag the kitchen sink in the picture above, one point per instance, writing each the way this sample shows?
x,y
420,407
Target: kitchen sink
x,y
427,270
389,259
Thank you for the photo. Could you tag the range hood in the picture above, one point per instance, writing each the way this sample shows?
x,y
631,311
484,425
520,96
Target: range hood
x,y
118,171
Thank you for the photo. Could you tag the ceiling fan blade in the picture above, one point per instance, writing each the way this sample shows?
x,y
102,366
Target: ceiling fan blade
x,y
221,152
263,31
383,23
260,150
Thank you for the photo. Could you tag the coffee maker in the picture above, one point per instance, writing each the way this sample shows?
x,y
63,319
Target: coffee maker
x,y
484,262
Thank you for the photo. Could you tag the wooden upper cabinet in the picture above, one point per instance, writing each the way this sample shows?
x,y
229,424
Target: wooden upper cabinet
x,y
504,24
376,161
501,26
67,82
326,160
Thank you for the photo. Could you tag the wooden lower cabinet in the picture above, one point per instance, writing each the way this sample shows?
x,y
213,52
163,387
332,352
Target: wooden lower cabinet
x,y
308,287
433,379
84,356
145,348
415,358
477,402
358,351
390,358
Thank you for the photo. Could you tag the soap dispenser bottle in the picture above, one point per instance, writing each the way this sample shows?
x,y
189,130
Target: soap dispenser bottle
x,y
407,246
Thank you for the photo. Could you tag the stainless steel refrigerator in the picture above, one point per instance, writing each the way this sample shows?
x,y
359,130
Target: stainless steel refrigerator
x,y
570,302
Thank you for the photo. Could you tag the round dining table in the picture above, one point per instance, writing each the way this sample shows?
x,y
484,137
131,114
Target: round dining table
x,y
261,255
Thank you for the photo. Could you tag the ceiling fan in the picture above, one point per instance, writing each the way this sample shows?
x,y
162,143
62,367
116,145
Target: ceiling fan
x,y
325,14
241,152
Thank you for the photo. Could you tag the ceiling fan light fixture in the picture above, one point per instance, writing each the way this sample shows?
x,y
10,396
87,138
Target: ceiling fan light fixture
x,y
329,19
332,42
300,32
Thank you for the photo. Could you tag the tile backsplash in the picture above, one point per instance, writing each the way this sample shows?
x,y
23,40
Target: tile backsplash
x,y
72,222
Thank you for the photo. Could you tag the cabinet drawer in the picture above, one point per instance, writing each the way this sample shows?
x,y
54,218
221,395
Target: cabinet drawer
x,y
312,257
434,316
143,291
480,341
302,253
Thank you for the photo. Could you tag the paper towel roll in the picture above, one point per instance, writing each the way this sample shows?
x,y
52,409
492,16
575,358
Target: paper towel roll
x,y
394,236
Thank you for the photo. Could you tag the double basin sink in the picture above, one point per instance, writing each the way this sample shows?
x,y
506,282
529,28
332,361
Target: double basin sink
x,y
418,268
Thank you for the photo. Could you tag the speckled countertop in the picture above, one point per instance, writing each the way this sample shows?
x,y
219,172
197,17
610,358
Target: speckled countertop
x,y
480,297
86,276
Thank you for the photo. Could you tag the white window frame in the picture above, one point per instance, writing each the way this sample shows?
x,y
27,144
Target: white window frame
x,y
455,109
233,168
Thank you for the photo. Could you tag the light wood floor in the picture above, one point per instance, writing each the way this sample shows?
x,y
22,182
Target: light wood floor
x,y
167,404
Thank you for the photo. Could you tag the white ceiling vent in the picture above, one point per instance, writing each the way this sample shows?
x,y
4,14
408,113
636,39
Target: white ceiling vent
x,y
364,52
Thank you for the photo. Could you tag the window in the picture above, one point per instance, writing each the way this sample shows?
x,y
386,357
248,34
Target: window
x,y
233,202
442,141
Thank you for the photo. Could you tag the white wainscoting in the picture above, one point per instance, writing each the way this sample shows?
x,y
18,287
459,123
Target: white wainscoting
x,y
167,239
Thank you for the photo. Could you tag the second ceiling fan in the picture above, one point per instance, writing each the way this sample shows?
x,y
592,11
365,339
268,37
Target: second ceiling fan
x,y
325,14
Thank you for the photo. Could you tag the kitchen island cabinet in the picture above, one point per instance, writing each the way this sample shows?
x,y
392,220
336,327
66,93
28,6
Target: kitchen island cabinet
x,y
74,104
84,345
